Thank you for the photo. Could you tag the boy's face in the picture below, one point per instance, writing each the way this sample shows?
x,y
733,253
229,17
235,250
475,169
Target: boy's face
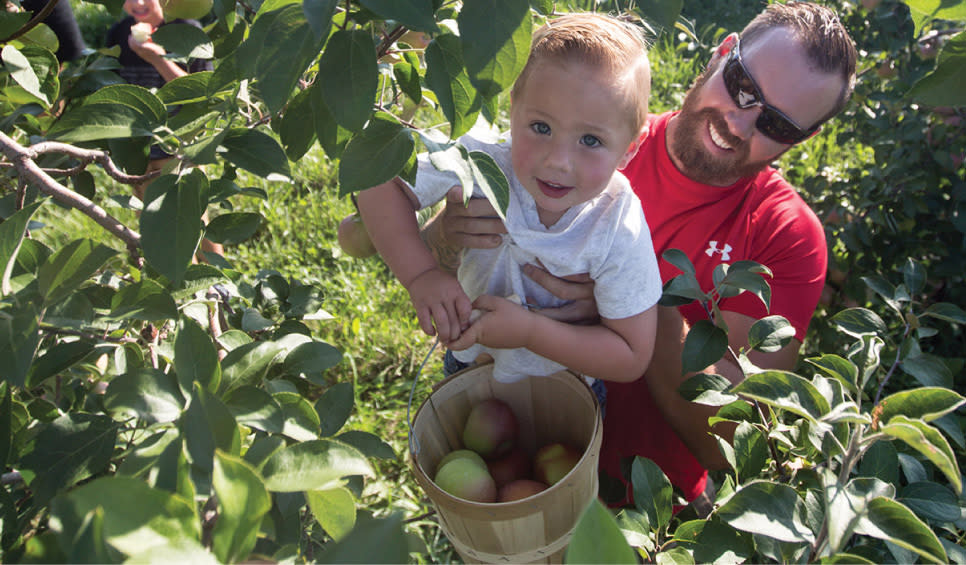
x,y
145,10
571,130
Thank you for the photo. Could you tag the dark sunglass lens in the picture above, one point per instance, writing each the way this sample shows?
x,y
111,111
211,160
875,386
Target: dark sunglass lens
x,y
777,127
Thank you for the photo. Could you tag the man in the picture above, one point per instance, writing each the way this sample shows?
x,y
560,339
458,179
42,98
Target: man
x,y
705,183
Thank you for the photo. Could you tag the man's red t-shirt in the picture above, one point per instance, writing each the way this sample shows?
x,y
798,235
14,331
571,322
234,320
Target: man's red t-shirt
x,y
761,218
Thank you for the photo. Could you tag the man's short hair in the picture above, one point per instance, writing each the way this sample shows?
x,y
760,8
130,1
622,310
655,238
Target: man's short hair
x,y
600,40
827,44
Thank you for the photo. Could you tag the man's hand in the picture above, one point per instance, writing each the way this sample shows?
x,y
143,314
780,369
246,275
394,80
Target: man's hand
x,y
579,289
439,301
474,225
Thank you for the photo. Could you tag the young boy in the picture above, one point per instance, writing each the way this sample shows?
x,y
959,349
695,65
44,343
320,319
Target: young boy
x,y
577,114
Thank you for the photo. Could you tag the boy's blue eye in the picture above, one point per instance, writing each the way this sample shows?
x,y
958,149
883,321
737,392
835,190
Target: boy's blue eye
x,y
590,140
540,128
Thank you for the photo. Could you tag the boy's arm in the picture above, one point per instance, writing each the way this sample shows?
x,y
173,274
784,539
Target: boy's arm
x,y
614,350
388,212
154,54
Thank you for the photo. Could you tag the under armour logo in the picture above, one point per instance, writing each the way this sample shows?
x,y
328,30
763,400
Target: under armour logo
x,y
724,251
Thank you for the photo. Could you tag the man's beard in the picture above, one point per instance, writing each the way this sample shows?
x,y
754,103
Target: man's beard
x,y
691,156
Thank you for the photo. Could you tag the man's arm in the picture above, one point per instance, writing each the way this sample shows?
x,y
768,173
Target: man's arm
x,y
457,226
689,419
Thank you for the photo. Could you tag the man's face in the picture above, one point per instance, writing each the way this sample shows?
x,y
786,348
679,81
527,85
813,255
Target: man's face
x,y
570,132
715,142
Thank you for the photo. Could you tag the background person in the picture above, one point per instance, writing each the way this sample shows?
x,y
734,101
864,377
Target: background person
x,y
703,175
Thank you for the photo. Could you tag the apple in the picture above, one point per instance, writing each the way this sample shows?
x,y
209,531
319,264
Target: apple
x,y
518,489
354,239
461,453
186,9
491,428
512,466
553,461
141,32
465,478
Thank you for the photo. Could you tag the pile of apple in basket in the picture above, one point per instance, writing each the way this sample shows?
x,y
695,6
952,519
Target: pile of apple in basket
x,y
493,467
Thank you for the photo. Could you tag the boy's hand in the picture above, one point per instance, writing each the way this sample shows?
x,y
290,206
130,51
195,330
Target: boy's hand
x,y
439,300
502,324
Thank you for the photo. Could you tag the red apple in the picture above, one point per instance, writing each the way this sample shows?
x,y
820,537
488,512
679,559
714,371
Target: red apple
x,y
553,461
520,488
464,478
512,466
491,428
354,239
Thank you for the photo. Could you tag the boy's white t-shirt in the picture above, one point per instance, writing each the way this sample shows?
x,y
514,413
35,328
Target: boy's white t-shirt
x,y
606,237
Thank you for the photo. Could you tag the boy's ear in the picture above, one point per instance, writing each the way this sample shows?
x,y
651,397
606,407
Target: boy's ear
x,y
633,147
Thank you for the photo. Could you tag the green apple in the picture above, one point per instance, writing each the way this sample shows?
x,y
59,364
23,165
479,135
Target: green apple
x,y
553,461
491,428
519,489
465,478
461,453
354,239
512,466
186,9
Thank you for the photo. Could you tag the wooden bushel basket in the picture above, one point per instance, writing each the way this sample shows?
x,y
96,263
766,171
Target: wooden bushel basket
x,y
536,529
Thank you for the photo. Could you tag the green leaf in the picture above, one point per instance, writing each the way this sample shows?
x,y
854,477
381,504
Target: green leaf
x,y
679,259
598,539
838,368
882,462
310,360
705,344
233,228
928,370
12,232
184,550
663,14
682,289
283,44
296,127
136,518
146,393
348,77
256,152
247,364
358,546
255,408
931,501
946,311
770,334
652,492
57,359
334,408
407,77
187,89
195,356
144,300
720,543
184,41
495,40
739,280
926,404
118,111
751,451
70,267
72,448
859,321
301,421
491,180
19,340
171,222
319,15
913,273
242,502
313,465
447,78
332,137
701,383
375,155
368,444
22,73
414,14
786,391
334,509
207,425
6,434
891,521
770,509
674,556
928,441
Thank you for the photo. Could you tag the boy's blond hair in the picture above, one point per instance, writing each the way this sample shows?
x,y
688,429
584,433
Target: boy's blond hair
x,y
603,41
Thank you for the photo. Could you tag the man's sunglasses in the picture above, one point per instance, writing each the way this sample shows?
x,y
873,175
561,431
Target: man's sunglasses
x,y
745,93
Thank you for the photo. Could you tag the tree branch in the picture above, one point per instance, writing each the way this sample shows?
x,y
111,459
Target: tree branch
x,y
23,160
